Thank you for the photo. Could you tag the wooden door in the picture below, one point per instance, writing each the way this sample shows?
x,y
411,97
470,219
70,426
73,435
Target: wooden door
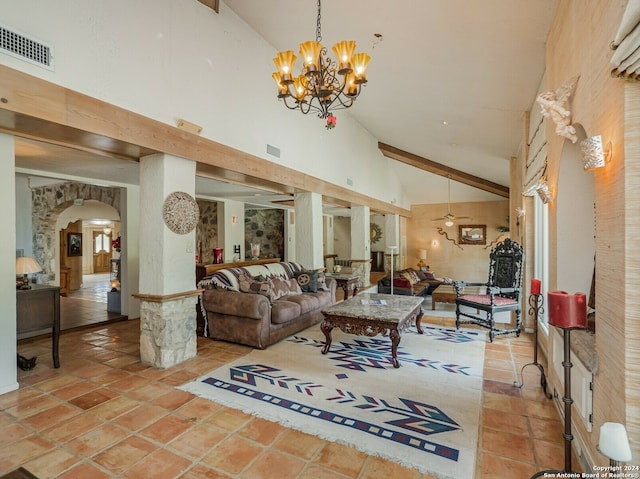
x,y
101,252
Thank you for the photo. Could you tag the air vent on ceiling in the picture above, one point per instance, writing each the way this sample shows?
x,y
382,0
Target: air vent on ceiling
x,y
273,150
24,48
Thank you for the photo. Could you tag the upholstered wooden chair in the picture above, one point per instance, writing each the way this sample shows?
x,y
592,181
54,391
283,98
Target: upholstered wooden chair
x,y
501,292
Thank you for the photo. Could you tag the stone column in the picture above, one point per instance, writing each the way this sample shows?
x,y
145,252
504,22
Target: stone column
x,y
308,226
167,262
361,243
392,238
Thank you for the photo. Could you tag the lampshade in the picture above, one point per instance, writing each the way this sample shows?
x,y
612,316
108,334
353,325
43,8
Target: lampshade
x,y
594,155
614,442
27,265
422,254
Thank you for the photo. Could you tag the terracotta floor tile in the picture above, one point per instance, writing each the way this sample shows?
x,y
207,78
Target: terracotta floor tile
x,y
115,407
233,455
546,429
72,428
96,440
262,431
179,377
504,421
287,467
92,371
13,398
122,360
229,419
500,388
508,445
93,398
150,391
173,399
140,417
12,433
111,377
57,382
497,467
299,443
501,364
129,383
52,464
74,390
502,402
550,454
85,471
198,440
343,459
201,471
316,472
162,464
33,406
167,428
125,454
546,410
501,375
198,408
377,468
22,451
54,415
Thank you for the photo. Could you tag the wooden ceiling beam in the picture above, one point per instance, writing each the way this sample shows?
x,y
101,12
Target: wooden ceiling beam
x,y
442,170
212,4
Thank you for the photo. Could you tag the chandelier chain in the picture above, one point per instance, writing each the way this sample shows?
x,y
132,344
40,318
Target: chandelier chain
x,y
318,25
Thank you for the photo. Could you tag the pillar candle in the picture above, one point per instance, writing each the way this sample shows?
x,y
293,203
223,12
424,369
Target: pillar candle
x,y
567,311
535,286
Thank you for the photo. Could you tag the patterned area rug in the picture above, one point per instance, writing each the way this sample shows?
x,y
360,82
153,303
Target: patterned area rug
x,y
423,415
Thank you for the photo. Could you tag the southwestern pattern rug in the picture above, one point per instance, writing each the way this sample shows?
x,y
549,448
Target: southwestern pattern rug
x,y
423,415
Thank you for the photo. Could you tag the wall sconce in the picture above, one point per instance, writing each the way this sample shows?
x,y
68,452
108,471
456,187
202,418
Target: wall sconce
x,y
26,265
115,284
434,243
544,192
594,155
234,219
614,443
107,231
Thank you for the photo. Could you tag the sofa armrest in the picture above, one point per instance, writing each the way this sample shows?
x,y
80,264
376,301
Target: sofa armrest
x,y
235,303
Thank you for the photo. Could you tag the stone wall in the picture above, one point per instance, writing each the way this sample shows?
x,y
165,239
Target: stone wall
x,y
265,227
207,231
47,204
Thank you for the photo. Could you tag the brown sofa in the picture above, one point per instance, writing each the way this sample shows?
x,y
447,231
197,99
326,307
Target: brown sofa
x,y
259,305
410,282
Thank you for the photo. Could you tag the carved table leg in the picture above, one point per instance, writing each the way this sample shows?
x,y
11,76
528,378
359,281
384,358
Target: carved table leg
x,y
394,335
355,288
326,327
418,322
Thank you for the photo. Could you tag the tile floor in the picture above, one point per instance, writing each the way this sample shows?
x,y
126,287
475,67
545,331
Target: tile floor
x,y
103,414
87,305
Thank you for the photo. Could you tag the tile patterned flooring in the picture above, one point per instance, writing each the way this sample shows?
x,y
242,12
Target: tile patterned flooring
x,y
103,414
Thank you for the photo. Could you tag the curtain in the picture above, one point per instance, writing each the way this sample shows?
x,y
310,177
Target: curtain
x,y
626,57
537,140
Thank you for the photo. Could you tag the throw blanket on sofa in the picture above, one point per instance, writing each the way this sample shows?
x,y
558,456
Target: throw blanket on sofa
x,y
229,278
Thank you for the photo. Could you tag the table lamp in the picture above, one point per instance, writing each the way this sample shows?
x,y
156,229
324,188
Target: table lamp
x,y
614,443
26,265
422,256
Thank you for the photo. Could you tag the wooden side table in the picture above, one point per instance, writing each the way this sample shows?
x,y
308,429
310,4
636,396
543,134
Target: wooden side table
x,y
38,312
346,282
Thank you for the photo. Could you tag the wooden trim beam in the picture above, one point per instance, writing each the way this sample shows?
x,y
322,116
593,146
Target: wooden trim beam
x,y
212,4
34,108
442,170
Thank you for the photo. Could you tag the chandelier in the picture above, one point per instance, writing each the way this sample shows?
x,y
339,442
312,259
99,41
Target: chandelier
x,y
323,85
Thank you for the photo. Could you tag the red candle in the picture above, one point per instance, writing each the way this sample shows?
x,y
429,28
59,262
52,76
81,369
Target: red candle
x,y
567,311
535,286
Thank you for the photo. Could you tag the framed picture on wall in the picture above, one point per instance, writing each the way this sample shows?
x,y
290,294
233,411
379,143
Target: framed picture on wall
x,y
74,244
472,234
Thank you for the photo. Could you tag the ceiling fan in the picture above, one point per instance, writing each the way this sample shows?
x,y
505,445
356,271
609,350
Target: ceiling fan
x,y
449,218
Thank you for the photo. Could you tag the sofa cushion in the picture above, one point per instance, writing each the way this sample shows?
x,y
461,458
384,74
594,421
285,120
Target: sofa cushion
x,y
307,280
283,287
307,302
283,311
401,283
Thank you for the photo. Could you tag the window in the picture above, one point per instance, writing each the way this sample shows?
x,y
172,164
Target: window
x,y
102,243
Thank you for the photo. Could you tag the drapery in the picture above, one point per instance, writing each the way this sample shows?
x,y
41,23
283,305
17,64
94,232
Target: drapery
x,y
626,57
537,157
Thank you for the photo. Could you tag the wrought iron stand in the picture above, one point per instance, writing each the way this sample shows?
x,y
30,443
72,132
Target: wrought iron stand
x,y
568,401
536,302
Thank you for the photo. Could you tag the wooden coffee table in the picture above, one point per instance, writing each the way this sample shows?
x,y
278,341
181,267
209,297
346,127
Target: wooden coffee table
x,y
371,314
445,293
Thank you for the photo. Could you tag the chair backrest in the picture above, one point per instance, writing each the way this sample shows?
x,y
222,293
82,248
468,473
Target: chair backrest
x,y
505,265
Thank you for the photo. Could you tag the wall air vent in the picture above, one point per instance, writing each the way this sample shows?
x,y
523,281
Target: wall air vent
x,y
24,48
273,150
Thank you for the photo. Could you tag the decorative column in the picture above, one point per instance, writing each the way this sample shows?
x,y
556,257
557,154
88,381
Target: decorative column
x,y
168,217
360,243
308,226
392,238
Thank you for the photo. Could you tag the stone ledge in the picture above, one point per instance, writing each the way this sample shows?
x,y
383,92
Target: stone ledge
x,y
161,298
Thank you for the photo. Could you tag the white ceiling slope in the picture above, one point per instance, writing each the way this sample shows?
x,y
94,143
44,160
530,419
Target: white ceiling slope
x,y
474,64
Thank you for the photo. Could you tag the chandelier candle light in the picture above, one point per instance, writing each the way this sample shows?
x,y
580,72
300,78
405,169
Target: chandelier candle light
x,y
324,85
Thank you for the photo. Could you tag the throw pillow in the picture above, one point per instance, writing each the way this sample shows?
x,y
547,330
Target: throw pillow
x,y
408,276
401,283
430,275
245,281
307,280
421,275
322,282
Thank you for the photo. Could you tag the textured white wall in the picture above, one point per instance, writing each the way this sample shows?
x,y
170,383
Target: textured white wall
x,y
184,61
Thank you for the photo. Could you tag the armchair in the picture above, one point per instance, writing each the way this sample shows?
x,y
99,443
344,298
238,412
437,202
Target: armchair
x,y
502,291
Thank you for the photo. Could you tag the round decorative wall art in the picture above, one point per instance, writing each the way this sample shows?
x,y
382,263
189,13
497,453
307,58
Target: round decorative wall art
x,y
180,212
375,233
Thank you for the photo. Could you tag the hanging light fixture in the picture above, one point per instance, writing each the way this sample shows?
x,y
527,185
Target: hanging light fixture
x,y
323,85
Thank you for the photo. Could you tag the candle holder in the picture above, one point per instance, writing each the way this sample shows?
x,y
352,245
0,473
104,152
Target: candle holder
x,y
536,302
